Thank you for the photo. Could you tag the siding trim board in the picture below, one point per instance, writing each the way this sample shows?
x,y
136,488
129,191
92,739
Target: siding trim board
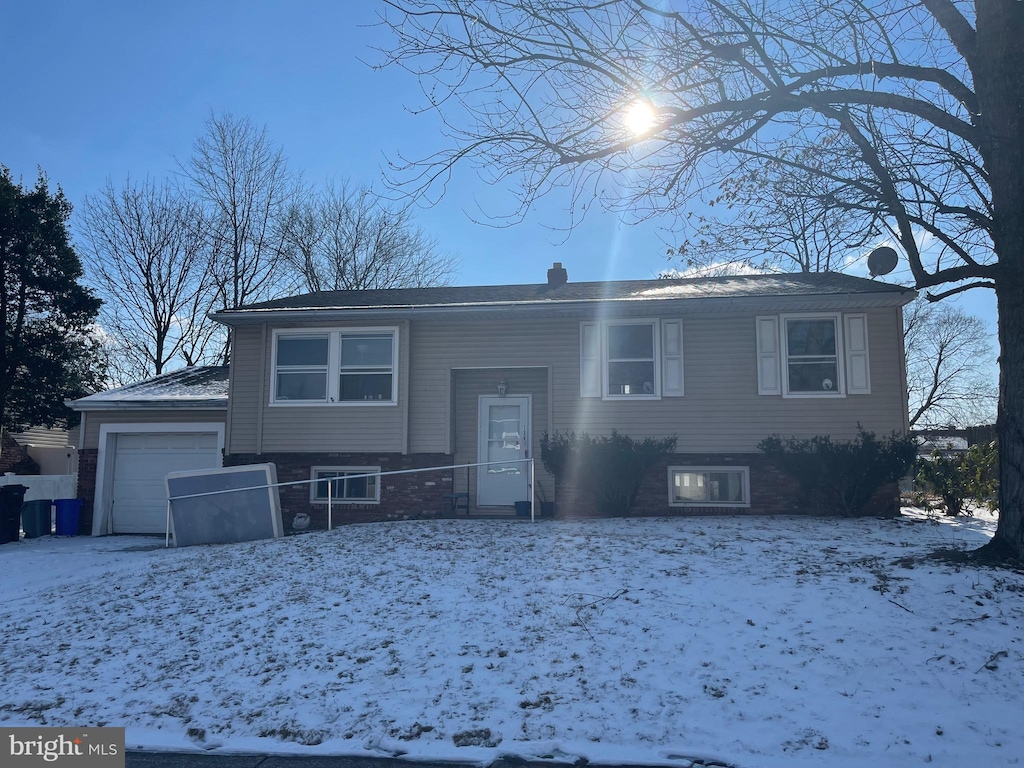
x,y
231,386
262,394
405,354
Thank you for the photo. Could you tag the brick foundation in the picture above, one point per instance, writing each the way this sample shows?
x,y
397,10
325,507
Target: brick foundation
x,y
421,495
772,492
402,497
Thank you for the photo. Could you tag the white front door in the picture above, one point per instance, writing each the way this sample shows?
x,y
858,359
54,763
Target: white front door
x,y
503,435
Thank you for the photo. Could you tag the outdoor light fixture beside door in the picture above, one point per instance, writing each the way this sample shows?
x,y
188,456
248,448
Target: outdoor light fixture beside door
x,y
502,388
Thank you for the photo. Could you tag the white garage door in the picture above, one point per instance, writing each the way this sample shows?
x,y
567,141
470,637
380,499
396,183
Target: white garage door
x,y
138,494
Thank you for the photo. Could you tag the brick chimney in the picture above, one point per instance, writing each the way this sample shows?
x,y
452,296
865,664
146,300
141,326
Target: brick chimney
x,y
557,275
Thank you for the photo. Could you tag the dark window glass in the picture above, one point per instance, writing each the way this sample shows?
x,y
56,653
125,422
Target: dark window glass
x,y
302,386
813,376
811,337
631,378
297,351
630,342
346,488
365,351
366,386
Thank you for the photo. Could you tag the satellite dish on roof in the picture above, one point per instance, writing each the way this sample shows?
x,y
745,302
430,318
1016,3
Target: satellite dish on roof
x,y
882,261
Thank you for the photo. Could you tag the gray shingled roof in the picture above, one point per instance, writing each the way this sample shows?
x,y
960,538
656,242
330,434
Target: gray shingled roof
x,y
198,387
731,287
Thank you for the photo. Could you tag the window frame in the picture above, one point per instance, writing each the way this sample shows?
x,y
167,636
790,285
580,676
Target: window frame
x,y
334,370
325,367
655,325
743,470
837,321
313,499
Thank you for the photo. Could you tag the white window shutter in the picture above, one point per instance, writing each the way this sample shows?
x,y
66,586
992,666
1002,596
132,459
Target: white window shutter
x,y
858,372
672,358
590,360
769,378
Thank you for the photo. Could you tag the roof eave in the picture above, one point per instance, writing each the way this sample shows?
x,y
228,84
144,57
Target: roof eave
x,y
579,306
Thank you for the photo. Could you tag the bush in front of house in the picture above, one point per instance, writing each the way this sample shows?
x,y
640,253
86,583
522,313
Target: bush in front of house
x,y
842,474
607,469
956,478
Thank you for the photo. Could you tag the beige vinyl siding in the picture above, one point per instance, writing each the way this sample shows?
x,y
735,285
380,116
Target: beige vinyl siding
x,y
467,388
244,400
720,412
43,437
331,428
95,419
442,346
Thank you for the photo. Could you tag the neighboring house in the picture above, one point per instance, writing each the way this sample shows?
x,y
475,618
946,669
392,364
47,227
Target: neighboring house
x,y
54,449
961,437
131,437
332,384
14,457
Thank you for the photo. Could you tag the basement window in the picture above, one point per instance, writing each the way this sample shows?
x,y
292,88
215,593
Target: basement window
x,y
709,486
344,485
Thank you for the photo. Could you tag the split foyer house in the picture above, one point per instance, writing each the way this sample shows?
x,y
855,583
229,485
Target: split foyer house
x,y
333,385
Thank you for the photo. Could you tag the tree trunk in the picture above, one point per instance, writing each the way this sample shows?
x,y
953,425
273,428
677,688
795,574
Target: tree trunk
x,y
1009,538
999,81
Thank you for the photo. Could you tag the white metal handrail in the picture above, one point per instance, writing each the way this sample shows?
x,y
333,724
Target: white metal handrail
x,y
330,511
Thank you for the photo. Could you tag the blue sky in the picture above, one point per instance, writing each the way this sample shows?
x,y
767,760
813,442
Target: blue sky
x,y
106,89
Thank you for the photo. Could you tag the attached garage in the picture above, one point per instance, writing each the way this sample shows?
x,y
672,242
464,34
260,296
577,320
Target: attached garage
x,y
133,436
140,461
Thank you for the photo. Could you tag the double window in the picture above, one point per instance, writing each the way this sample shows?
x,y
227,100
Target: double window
x,y
631,359
709,486
356,366
345,485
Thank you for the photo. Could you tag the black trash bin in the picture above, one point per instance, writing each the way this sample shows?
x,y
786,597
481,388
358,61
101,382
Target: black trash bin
x,y
35,518
11,499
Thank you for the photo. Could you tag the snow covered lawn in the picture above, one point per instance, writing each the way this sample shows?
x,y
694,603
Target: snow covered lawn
x,y
760,642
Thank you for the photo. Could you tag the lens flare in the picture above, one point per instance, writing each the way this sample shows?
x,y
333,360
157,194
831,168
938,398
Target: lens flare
x,y
640,118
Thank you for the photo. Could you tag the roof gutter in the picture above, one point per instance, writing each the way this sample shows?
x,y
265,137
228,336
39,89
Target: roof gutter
x,y
146,405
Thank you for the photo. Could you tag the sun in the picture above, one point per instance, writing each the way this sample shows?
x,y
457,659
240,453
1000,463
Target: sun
x,y
639,117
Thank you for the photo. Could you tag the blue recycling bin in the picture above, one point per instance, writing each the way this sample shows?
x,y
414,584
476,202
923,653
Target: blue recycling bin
x,y
67,516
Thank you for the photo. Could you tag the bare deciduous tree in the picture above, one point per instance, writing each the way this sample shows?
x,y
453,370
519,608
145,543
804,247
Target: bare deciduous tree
x,y
245,186
922,100
779,218
948,354
149,257
346,238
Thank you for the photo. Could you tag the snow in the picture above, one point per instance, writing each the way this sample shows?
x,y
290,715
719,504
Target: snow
x,y
200,383
761,642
